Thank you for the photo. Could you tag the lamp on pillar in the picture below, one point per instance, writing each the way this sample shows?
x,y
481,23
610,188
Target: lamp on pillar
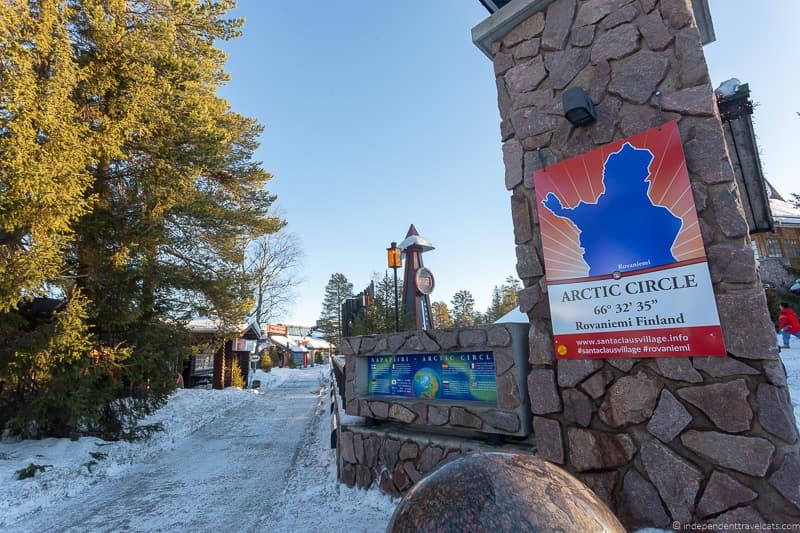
x,y
395,261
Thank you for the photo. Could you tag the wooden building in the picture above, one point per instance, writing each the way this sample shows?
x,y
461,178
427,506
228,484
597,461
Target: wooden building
x,y
217,352
778,251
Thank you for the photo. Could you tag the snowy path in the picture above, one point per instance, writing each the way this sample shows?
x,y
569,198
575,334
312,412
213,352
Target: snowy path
x,y
229,475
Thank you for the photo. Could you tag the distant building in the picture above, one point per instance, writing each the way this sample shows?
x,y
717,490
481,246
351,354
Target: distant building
x,y
213,363
300,344
778,251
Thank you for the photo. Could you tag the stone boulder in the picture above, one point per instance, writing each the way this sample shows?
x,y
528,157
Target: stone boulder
x,y
493,491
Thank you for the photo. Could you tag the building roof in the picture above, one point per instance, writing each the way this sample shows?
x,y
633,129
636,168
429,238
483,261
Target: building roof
x,y
784,213
215,325
300,344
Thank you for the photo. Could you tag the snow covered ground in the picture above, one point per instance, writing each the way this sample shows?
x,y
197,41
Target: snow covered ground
x,y
226,460
791,360
247,460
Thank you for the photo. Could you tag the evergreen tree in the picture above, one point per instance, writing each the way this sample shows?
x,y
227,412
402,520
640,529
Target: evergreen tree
x,y
511,289
504,299
43,145
495,309
378,316
111,130
441,315
337,289
178,194
463,309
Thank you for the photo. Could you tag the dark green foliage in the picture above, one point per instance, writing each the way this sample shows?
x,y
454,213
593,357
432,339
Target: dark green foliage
x,y
31,470
130,190
378,317
463,309
337,289
504,299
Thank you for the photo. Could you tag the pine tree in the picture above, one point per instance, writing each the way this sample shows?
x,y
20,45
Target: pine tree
x,y
504,299
111,131
511,289
463,309
441,315
378,316
495,309
337,289
43,145
178,194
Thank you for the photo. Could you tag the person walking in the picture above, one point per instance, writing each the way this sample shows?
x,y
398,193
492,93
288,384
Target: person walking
x,y
788,324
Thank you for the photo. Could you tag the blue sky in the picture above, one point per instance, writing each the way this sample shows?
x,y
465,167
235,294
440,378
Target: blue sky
x,y
382,114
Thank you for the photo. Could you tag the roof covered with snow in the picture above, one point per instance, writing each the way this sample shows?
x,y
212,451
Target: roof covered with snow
x,y
300,344
784,213
215,325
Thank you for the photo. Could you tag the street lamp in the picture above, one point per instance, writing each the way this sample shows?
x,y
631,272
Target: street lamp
x,y
395,261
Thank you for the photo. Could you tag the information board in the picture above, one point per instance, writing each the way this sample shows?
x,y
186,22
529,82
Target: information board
x,y
626,269
453,376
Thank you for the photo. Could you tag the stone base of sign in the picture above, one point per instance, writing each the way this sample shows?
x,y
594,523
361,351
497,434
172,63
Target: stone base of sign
x,y
394,459
508,343
661,440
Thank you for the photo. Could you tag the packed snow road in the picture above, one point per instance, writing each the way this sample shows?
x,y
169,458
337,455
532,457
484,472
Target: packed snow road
x,y
228,475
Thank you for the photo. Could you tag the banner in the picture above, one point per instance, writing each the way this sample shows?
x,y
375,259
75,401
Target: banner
x,y
457,376
626,270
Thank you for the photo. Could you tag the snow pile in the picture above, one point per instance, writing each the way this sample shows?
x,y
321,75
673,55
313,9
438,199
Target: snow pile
x,y
71,466
271,379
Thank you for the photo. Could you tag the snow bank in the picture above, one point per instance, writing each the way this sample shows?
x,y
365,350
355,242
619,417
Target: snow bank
x,y
71,467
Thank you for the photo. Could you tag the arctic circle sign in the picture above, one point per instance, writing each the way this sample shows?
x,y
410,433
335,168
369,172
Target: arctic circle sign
x,y
626,269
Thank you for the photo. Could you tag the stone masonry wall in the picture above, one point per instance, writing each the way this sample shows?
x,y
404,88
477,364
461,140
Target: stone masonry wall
x,y
392,461
685,439
510,415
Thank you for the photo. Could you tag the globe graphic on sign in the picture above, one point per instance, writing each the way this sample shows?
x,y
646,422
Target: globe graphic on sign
x,y
426,384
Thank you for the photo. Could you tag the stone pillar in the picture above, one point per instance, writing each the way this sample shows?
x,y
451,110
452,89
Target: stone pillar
x,y
660,440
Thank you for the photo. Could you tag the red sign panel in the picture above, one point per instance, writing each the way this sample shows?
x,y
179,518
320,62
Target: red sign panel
x,y
277,329
626,269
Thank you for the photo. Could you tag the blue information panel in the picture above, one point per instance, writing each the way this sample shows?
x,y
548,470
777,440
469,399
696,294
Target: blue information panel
x,y
455,376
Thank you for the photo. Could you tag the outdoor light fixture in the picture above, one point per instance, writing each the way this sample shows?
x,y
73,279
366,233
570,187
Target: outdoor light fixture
x,y
393,256
578,107
395,261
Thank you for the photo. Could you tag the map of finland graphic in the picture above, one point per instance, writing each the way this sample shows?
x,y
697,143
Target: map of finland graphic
x,y
622,207
625,265
623,230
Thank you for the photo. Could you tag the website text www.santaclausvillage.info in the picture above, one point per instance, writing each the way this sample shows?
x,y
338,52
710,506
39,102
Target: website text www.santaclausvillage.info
x,y
634,345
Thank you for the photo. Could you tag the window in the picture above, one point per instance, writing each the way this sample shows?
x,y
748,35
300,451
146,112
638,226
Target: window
x,y
774,248
792,248
756,251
